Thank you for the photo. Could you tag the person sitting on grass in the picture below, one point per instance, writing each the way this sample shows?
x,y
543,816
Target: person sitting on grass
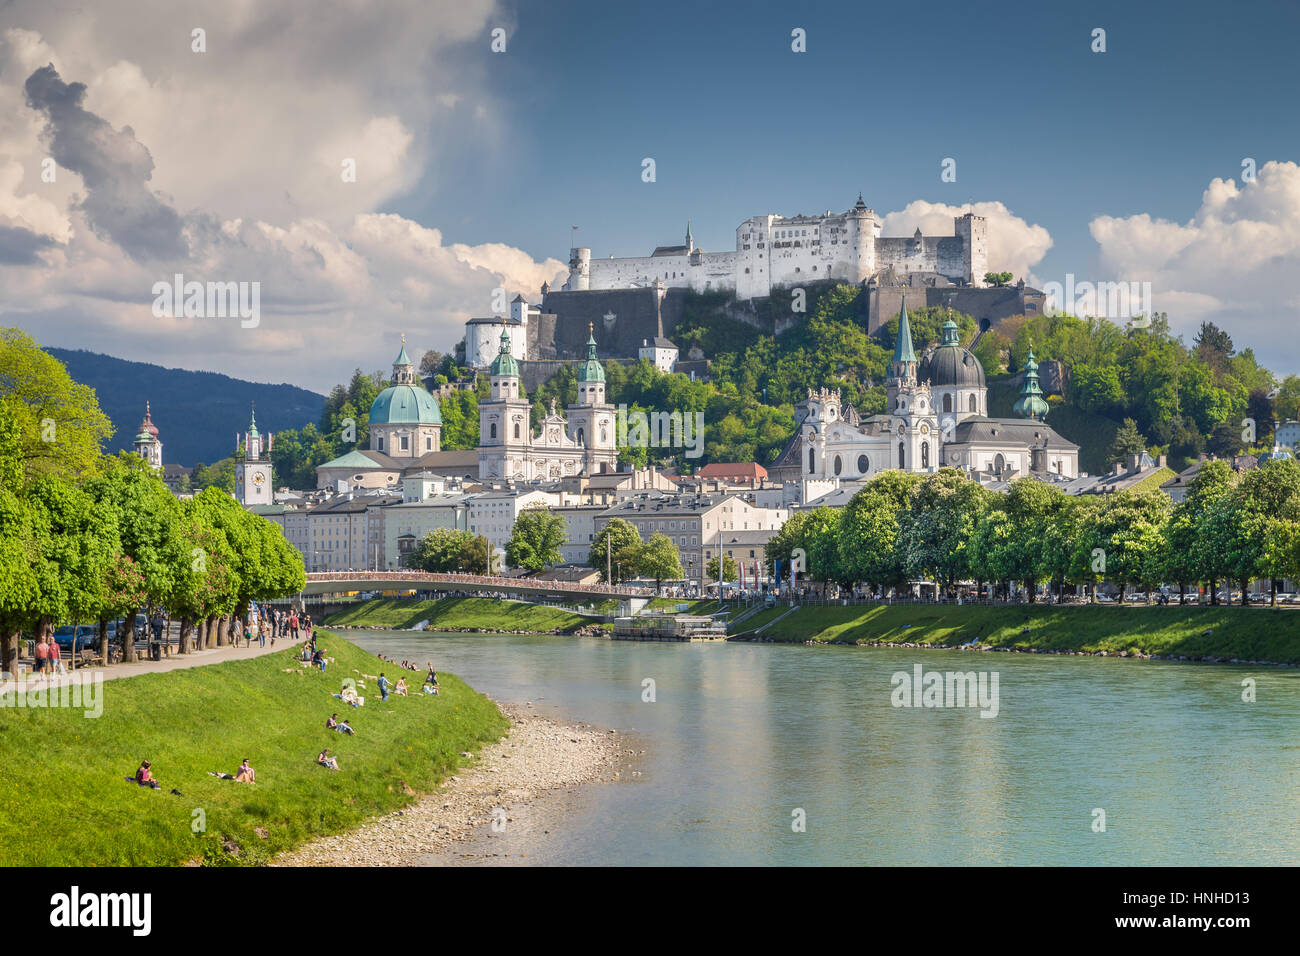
x,y
326,761
144,776
332,723
401,686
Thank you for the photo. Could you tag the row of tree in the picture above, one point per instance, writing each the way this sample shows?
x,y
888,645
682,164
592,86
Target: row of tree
x,y
948,529
91,538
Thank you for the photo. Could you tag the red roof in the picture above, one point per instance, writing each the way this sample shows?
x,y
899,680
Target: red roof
x,y
746,471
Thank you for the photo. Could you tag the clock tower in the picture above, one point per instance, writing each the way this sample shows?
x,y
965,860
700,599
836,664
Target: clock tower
x,y
253,469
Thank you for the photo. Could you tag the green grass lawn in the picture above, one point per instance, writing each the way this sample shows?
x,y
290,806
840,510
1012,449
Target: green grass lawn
x,y
1245,633
446,613
63,800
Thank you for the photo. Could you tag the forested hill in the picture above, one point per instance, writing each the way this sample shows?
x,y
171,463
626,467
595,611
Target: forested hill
x,y
197,413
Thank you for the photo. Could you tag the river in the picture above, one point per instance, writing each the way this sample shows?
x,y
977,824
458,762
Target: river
x,y
746,742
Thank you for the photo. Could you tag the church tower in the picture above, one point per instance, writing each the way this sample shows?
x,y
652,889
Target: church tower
x,y
253,469
913,424
147,445
591,420
504,420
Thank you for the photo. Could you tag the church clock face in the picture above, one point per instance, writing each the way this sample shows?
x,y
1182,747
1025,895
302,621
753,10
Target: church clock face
x,y
259,479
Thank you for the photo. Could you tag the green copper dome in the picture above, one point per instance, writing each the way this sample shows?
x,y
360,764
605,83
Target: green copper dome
x,y
1031,403
405,405
504,363
591,370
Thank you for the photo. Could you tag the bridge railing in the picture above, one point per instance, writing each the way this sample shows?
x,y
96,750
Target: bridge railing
x,y
499,582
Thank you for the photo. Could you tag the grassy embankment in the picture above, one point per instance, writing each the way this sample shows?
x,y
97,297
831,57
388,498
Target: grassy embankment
x,y
1260,634
64,801
444,614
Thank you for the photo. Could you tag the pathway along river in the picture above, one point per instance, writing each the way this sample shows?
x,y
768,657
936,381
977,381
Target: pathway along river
x,y
743,739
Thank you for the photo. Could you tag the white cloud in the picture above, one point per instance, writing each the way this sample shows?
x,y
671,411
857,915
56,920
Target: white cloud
x,y
1234,262
246,144
1015,246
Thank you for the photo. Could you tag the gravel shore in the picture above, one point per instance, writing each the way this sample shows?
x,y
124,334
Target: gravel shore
x,y
538,755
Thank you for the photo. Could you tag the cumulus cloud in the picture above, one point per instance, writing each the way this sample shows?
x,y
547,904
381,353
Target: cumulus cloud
x,y
226,166
1234,262
1015,246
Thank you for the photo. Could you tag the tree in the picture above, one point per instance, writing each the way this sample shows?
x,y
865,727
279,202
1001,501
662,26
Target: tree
x,y
431,363
59,422
1128,441
730,572
998,279
149,530
442,551
870,528
617,541
1128,530
658,559
535,539
939,525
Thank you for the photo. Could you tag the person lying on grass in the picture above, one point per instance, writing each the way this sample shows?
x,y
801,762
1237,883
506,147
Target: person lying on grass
x,y
326,761
340,725
245,774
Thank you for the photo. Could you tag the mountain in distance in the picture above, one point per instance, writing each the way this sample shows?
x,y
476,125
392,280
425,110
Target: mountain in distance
x,y
197,413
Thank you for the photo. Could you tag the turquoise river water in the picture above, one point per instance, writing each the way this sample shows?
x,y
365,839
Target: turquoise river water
x,y
742,741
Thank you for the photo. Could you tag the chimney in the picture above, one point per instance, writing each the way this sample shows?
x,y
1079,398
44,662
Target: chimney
x,y
1133,464
1161,461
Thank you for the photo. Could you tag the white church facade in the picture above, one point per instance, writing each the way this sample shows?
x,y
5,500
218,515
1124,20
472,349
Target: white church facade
x,y
773,251
936,417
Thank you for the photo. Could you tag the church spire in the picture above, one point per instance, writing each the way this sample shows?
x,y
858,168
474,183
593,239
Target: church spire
x,y
1031,403
591,370
903,351
690,243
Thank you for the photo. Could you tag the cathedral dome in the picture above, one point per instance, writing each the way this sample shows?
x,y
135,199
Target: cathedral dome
x,y
405,405
950,365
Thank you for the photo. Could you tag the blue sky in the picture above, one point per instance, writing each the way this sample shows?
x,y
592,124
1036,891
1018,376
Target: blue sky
x,y
739,125
472,165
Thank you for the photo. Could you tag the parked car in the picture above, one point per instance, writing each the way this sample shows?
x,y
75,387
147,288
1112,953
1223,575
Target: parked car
x,y
73,638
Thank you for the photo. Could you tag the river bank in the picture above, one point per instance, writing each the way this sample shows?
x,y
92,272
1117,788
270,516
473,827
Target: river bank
x,y
192,723
465,616
1259,636
537,757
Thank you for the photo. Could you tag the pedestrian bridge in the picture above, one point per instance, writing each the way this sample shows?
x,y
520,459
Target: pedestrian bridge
x,y
631,599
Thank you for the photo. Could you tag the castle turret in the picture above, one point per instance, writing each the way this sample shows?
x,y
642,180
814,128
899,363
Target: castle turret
x,y
579,270
863,228
973,231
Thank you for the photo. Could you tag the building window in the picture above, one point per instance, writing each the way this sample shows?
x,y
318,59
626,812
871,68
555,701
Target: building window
x,y
405,443
492,430
972,403
947,402
812,460
381,443
864,464
925,454
516,429
902,461
838,464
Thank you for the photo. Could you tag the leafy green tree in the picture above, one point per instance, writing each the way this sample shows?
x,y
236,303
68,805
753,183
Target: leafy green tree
x,y
730,572
658,559
616,541
149,529
1129,531
998,279
443,551
870,531
536,539
939,525
60,425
